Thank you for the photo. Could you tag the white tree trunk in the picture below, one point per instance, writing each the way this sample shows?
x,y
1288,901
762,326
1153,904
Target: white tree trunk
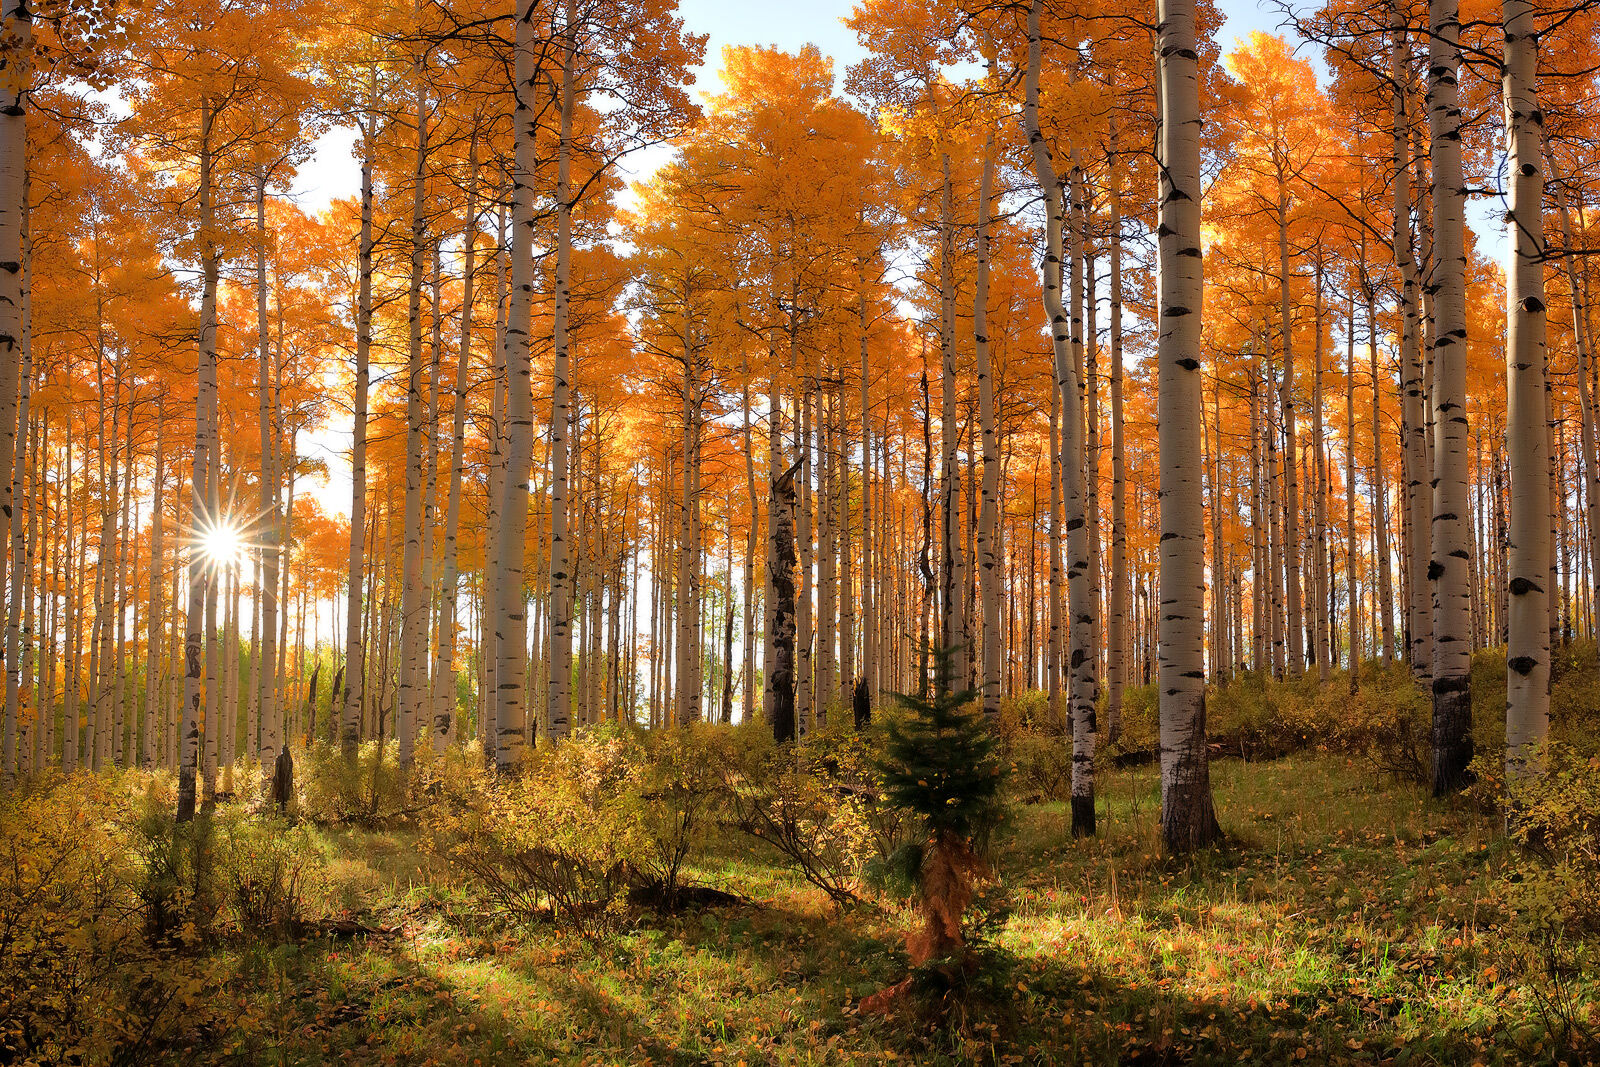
x,y
1449,565
15,82
270,738
17,498
1188,820
1079,610
1591,454
444,674
511,622
952,583
198,574
1414,451
1294,620
1117,624
988,532
1528,634
355,659
560,709
413,594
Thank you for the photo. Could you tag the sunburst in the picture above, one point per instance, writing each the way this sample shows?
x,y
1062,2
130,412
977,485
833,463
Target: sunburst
x,y
228,539
222,543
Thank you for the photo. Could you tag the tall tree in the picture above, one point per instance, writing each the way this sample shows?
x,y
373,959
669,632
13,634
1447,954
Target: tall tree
x,y
1448,566
1188,820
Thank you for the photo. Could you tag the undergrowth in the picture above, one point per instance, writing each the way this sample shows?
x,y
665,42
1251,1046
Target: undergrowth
x,y
1348,919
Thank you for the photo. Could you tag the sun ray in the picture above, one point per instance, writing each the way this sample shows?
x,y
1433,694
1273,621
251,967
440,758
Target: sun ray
x,y
229,539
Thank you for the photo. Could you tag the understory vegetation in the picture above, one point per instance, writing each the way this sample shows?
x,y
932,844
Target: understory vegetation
x,y
707,896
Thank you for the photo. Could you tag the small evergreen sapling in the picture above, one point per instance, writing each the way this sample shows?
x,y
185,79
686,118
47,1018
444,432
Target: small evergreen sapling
x,y
941,762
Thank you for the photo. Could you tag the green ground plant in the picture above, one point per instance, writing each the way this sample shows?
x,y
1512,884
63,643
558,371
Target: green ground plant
x,y
1349,919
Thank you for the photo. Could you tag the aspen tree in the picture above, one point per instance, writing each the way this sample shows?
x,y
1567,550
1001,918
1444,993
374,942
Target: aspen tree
x,y
355,652
1351,554
198,574
1117,624
1449,550
16,595
952,621
1321,613
16,74
560,696
752,535
444,676
1380,499
1581,340
988,531
868,686
1419,619
1187,817
270,740
1528,647
1081,660
413,599
510,610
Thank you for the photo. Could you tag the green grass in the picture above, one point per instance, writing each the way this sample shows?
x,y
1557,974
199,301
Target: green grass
x,y
1345,921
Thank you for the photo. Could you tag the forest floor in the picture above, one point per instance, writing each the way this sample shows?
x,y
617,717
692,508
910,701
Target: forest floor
x,y
1348,919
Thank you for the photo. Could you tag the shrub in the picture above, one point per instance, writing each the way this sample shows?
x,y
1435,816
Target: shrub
x,y
267,866
1386,721
1575,698
1555,896
819,803
1040,766
1030,711
1139,728
335,790
680,792
172,870
80,979
560,840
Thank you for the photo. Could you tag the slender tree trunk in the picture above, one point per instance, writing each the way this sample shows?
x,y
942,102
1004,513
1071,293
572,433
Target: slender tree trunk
x,y
804,690
1066,375
1187,816
1294,621
413,594
1414,458
687,587
354,650
1448,566
510,628
781,614
1116,631
870,542
18,19
17,502
1380,512
1351,551
198,573
1321,614
74,610
752,535
271,739
952,625
489,652
1528,647
988,547
444,674
560,661
1591,455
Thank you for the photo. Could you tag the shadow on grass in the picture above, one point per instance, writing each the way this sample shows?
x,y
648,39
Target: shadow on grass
x,y
1087,1017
